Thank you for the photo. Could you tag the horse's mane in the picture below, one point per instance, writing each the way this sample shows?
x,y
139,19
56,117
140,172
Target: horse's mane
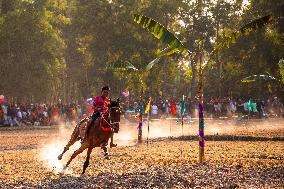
x,y
114,103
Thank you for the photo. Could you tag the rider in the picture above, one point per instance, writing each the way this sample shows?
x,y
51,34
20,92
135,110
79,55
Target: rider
x,y
101,109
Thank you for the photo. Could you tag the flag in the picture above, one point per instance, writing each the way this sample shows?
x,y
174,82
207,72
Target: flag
x,y
2,98
148,106
125,94
173,109
90,101
182,106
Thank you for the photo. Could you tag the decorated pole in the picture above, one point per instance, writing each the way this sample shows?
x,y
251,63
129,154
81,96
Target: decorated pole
x,y
201,120
139,127
182,125
201,124
147,110
148,127
182,112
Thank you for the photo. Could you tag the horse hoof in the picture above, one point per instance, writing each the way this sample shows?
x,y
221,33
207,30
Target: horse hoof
x,y
113,145
61,173
60,157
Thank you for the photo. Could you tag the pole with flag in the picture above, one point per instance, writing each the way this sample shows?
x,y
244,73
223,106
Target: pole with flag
x,y
147,110
172,111
182,112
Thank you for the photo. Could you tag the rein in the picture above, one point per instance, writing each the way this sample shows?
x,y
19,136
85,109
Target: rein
x,y
108,123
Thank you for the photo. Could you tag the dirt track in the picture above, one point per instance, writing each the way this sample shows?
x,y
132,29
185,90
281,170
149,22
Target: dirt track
x,y
28,158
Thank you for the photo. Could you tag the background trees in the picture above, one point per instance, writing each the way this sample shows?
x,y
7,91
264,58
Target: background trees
x,y
51,49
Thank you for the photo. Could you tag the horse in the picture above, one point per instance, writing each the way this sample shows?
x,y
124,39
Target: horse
x,y
97,134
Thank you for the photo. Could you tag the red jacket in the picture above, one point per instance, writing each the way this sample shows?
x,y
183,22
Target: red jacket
x,y
101,105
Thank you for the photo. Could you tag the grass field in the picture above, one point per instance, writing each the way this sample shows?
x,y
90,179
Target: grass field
x,y
247,156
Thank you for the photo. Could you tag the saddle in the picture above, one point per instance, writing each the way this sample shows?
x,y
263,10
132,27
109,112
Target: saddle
x,y
83,126
104,125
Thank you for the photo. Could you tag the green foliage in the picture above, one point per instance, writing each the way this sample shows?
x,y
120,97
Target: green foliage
x,y
247,29
281,69
120,65
161,33
59,49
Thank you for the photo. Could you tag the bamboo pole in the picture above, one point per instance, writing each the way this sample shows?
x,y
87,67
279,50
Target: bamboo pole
x,y
182,125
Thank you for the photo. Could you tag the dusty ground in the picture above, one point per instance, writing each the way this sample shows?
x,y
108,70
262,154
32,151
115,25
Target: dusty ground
x,y
250,155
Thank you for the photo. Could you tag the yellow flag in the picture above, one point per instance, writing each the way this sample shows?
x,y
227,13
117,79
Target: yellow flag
x,y
148,106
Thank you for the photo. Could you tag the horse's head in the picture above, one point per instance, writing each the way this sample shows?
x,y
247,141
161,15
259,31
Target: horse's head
x,y
114,112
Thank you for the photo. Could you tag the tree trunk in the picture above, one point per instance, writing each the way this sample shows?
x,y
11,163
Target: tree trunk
x,y
220,86
87,81
193,80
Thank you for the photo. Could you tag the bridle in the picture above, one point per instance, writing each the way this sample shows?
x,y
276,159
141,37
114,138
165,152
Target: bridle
x,y
116,109
110,123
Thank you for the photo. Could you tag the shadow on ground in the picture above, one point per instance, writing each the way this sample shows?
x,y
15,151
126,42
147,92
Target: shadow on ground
x,y
220,138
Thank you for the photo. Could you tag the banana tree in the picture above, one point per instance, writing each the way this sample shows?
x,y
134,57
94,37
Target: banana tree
x,y
121,66
175,46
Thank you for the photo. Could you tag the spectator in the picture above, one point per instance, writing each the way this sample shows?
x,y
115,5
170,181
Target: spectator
x,y
154,110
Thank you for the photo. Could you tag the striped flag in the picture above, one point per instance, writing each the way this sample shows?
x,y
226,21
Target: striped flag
x,y
148,106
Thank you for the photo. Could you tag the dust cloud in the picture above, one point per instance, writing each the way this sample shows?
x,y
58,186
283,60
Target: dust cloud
x,y
170,127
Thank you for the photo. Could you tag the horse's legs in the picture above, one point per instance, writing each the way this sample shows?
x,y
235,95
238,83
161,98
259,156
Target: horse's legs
x,y
111,141
73,139
70,143
80,150
86,164
104,148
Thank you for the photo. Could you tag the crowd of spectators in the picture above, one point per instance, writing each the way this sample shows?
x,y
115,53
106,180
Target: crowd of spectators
x,y
41,114
46,114
213,107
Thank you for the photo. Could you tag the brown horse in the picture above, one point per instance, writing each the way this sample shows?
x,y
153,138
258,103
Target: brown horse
x,y
97,135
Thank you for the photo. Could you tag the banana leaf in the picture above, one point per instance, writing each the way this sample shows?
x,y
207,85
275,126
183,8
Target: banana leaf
x,y
164,52
120,65
152,63
281,69
160,32
244,30
254,78
255,24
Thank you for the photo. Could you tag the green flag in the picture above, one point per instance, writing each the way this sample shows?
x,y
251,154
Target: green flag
x,y
182,106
